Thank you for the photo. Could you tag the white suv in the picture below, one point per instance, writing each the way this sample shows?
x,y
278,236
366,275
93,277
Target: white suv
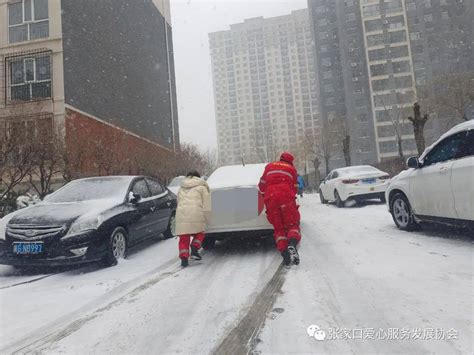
x,y
438,186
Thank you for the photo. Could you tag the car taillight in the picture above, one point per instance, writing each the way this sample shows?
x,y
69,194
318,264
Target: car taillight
x,y
350,181
385,177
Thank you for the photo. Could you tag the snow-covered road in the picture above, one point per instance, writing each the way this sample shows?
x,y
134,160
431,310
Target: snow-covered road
x,y
359,274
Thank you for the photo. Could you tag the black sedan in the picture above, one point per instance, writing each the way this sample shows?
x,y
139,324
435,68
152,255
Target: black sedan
x,y
89,220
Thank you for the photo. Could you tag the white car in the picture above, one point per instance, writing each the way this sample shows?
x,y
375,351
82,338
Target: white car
x,y
361,182
175,184
439,185
237,206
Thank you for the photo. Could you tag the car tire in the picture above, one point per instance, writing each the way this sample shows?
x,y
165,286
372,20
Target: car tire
x,y
321,197
170,230
209,243
117,246
402,214
339,202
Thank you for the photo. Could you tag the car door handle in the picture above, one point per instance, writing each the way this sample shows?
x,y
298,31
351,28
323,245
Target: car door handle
x,y
443,170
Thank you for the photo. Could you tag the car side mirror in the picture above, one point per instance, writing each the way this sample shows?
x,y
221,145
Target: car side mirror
x,y
413,162
134,198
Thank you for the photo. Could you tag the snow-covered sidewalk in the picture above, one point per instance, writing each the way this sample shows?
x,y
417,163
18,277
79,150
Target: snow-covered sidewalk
x,y
360,277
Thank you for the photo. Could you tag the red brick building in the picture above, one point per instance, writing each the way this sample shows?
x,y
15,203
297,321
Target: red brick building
x,y
108,99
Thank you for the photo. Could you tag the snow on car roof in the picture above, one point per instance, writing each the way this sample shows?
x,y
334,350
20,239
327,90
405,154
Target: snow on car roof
x,y
465,126
111,177
236,175
357,169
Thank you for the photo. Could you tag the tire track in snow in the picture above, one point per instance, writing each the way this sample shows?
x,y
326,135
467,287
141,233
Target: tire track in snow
x,y
28,281
44,337
243,337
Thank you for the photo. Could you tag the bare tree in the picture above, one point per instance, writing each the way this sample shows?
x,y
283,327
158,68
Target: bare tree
x,y
419,121
332,139
325,151
48,162
395,115
16,163
449,95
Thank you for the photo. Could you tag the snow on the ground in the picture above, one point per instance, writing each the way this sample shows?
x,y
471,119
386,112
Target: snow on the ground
x,y
185,311
145,303
38,306
359,272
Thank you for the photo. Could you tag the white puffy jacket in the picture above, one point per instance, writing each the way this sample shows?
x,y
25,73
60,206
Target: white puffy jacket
x,y
194,206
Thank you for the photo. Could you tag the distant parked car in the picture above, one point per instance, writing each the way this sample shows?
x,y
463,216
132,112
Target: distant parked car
x,y
238,208
439,185
175,184
361,182
89,220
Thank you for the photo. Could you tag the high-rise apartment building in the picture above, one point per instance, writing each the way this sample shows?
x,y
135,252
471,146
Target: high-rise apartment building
x,y
403,44
391,76
104,68
265,88
343,79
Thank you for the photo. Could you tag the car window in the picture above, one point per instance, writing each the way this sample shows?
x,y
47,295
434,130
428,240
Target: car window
x,y
141,188
155,187
467,146
446,150
335,174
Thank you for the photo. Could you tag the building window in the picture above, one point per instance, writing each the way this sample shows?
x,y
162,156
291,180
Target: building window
x,y
29,77
371,10
428,18
415,35
445,15
28,20
411,7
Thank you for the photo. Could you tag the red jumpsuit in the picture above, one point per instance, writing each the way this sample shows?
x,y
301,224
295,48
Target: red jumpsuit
x,y
279,186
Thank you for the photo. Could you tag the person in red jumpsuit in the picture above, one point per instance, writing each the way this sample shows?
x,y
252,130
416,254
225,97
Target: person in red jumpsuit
x,y
279,186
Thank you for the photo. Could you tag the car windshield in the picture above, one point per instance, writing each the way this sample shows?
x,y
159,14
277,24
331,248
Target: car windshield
x,y
91,189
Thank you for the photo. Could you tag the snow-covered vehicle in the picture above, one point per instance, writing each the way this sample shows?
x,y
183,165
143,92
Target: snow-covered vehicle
x,y
237,206
362,182
439,185
26,200
88,220
175,184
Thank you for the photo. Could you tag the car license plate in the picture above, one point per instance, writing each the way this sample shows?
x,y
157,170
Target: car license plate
x,y
28,247
368,181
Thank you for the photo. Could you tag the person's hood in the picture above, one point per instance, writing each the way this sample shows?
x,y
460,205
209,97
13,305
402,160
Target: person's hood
x,y
190,183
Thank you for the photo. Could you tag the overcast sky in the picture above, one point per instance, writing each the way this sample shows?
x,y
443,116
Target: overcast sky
x,y
192,21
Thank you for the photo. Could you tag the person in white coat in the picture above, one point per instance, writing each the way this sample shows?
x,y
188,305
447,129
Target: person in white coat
x,y
192,215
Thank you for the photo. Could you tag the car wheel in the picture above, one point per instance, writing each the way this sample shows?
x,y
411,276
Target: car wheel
x,y
339,202
170,231
209,243
401,213
321,197
117,247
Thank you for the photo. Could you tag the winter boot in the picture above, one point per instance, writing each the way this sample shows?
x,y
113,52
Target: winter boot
x,y
195,253
286,258
184,262
295,257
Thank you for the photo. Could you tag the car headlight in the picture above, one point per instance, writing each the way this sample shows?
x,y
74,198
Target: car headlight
x,y
83,225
